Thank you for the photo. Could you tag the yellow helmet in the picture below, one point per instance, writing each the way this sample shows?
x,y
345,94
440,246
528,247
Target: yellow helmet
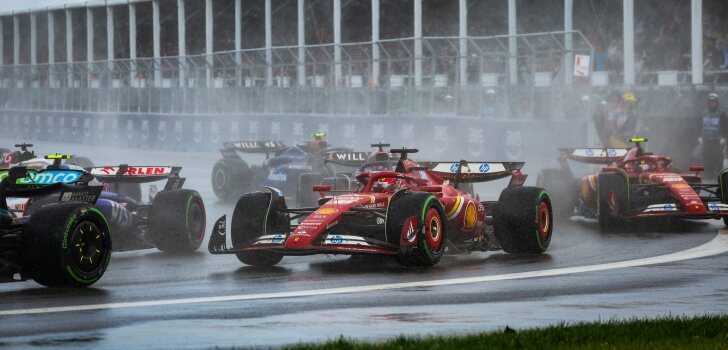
x,y
629,97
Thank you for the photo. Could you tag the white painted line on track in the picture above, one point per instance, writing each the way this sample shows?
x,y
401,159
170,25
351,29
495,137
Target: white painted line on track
x,y
718,245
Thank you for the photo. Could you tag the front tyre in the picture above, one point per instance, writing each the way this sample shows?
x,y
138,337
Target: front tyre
x,y
611,199
66,245
177,221
416,222
523,220
255,216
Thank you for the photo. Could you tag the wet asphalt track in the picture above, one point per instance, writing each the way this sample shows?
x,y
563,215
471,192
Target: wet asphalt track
x,y
694,286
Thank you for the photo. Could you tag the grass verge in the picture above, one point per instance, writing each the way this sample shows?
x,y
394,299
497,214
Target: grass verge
x,y
705,332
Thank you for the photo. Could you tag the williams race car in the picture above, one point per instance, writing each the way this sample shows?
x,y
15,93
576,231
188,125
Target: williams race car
x,y
633,184
412,212
172,221
66,243
291,169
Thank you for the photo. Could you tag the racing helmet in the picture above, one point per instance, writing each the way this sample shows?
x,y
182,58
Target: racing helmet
x,y
629,97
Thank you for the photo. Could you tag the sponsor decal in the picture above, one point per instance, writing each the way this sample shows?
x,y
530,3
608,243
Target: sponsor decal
x,y
326,211
178,131
380,221
471,216
215,131
46,177
475,144
278,177
408,131
161,130
440,137
350,156
484,168
136,170
145,129
514,144
275,128
336,239
277,239
454,168
681,186
590,153
378,131
410,229
612,152
197,131
89,195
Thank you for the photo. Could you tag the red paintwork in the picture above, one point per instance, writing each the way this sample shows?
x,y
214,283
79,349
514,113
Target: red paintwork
x,y
308,235
650,169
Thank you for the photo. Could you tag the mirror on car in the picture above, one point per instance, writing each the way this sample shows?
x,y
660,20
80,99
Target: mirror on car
x,y
321,188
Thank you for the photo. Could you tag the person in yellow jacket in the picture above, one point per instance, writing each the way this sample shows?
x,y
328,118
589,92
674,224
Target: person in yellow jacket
x,y
622,121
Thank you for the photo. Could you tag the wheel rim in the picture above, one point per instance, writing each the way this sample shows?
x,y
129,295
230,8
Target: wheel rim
x,y
220,178
433,229
88,248
196,221
544,220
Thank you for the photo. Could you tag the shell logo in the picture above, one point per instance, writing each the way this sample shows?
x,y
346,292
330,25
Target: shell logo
x,y
471,216
326,211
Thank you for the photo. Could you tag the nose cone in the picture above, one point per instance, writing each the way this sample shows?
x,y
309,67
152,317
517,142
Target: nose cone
x,y
695,208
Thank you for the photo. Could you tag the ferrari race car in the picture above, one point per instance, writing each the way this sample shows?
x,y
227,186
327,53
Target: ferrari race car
x,y
293,170
633,184
27,158
172,221
66,243
411,212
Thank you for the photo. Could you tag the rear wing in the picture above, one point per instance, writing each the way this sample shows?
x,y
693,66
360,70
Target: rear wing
x,y
28,183
346,158
255,146
125,173
462,172
594,155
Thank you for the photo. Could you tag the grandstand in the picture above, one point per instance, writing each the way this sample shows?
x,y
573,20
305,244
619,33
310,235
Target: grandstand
x,y
371,57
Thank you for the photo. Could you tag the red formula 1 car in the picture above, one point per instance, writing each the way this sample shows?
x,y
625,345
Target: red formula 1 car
x,y
633,184
413,213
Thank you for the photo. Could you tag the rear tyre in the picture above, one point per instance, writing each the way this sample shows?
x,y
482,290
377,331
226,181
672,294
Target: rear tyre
x,y
523,220
562,186
230,179
66,245
306,196
417,218
255,216
611,199
177,221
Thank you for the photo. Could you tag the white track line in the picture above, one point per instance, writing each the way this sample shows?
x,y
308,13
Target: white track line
x,y
718,245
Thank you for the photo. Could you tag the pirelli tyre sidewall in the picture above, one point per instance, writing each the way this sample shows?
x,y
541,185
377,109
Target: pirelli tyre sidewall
x,y
177,221
254,216
612,199
523,220
66,245
426,244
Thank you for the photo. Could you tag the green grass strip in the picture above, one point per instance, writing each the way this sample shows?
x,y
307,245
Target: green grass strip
x,y
705,332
